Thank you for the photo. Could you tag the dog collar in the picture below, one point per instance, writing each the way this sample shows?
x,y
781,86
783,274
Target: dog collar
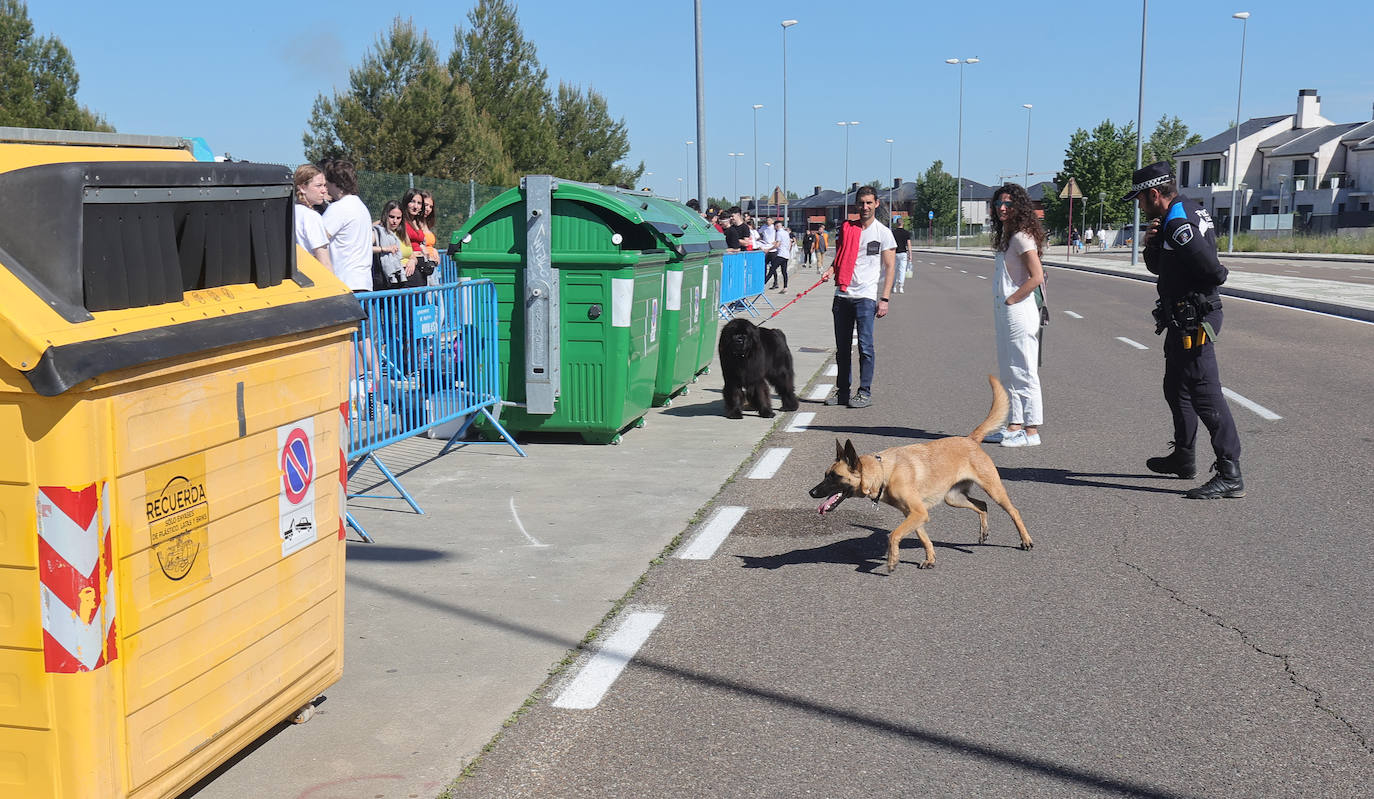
x,y
879,498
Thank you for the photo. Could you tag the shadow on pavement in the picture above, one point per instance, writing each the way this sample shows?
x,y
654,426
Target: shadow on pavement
x,y
1029,474
885,431
866,554
382,553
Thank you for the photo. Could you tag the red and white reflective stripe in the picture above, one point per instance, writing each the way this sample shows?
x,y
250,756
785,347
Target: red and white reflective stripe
x,y
343,466
76,577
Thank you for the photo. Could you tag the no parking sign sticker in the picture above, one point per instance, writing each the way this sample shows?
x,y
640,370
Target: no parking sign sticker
x,y
296,482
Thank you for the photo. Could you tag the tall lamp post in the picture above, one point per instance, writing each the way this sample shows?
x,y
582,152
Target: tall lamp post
x,y
679,189
846,126
735,157
1139,142
959,179
767,179
889,177
757,106
787,23
1244,17
1026,179
687,166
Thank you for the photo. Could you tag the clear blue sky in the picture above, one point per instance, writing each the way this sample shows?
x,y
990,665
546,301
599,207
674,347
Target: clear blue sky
x,y
243,75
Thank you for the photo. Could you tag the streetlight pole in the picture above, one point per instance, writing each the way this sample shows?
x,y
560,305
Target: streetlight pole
x,y
1139,142
757,106
679,189
768,178
787,23
959,184
687,169
846,126
889,178
701,111
735,157
1026,179
1244,17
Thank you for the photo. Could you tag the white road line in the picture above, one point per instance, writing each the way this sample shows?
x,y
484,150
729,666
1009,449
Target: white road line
x,y
1073,315
820,391
596,677
832,370
769,464
713,534
534,542
800,421
982,277
1262,411
963,271
949,267
1135,344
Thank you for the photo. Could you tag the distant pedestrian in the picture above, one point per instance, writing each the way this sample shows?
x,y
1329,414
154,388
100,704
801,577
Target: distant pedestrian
x,y
736,232
1181,247
1018,240
821,246
863,272
808,244
781,255
902,262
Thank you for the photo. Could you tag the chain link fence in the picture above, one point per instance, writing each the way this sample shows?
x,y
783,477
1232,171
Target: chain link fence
x,y
454,200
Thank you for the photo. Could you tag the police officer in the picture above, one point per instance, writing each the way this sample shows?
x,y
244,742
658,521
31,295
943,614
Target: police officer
x,y
1181,247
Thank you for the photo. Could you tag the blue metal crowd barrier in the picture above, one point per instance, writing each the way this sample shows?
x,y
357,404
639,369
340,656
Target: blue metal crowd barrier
x,y
741,283
423,358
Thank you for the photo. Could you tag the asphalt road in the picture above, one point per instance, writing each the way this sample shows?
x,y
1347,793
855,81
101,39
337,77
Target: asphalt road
x,y
1350,271
1147,646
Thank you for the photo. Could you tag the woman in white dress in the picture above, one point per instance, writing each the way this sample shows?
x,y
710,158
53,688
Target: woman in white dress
x,y
1018,239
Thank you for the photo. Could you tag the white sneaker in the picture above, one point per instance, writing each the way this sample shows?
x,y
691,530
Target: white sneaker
x,y
1019,438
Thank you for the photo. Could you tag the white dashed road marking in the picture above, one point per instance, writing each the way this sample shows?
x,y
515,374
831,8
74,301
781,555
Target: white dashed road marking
x,y
713,534
820,391
1262,411
769,464
591,683
1073,315
800,421
832,370
1135,344
982,277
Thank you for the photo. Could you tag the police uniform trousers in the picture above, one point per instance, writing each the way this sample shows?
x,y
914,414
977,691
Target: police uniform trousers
x,y
1192,387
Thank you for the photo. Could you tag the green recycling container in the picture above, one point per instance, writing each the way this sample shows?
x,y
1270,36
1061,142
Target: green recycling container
x,y
686,284
579,275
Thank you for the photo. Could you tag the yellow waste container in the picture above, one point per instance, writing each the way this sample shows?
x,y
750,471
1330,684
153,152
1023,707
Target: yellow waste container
x,y
173,388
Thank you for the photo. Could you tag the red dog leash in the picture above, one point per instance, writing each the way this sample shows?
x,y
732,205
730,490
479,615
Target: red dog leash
x,y
794,299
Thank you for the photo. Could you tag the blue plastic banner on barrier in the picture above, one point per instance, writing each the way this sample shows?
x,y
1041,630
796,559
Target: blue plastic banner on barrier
x,y
741,280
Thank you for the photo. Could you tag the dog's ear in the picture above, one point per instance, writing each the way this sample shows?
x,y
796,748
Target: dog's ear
x,y
851,457
839,450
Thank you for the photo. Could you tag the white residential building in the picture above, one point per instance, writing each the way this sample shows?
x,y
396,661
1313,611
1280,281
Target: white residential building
x,y
1299,163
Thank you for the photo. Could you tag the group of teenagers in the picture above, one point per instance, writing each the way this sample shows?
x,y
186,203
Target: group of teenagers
x,y
333,224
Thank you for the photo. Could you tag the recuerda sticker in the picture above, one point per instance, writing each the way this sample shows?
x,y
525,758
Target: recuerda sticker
x,y
177,509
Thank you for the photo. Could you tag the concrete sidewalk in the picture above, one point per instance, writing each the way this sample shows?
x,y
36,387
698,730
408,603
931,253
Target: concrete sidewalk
x,y
456,616
1339,298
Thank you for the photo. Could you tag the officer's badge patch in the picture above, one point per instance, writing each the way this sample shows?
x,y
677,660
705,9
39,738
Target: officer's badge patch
x,y
1183,234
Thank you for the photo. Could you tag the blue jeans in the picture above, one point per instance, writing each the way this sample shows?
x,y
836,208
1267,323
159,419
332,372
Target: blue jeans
x,y
850,313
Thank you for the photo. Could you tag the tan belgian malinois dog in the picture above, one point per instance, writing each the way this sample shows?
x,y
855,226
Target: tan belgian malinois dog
x,y
915,477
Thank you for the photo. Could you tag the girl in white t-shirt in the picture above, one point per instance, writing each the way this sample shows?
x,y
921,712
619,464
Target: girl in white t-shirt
x,y
1018,239
310,192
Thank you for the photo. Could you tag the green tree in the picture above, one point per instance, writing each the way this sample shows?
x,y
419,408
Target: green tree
x,y
38,78
937,190
1169,137
591,142
501,69
404,113
1101,161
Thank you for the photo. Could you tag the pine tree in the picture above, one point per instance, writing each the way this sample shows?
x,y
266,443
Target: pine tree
x,y
1169,137
591,142
501,69
38,78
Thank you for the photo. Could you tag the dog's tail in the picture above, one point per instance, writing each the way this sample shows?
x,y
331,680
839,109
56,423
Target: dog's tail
x,y
997,415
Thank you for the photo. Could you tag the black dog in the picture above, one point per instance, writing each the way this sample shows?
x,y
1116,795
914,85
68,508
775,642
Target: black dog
x,y
751,358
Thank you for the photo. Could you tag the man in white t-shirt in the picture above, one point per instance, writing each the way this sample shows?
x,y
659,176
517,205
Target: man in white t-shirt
x,y
861,296
349,227
781,256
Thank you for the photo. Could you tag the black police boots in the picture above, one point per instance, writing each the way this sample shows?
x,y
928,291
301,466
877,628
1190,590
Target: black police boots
x,y
1178,462
1226,483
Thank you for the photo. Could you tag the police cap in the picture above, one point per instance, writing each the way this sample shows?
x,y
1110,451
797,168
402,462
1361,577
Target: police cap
x,y
1147,177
